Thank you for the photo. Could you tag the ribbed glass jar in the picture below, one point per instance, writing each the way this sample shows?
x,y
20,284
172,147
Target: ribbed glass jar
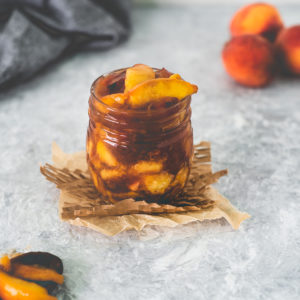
x,y
140,154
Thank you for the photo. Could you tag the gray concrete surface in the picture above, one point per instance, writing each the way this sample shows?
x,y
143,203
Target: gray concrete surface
x,y
254,133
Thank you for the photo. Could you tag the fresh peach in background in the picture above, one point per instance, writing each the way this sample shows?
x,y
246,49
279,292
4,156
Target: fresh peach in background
x,y
250,60
257,18
288,47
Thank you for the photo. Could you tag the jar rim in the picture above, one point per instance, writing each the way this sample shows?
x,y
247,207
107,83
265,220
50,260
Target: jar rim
x,y
127,110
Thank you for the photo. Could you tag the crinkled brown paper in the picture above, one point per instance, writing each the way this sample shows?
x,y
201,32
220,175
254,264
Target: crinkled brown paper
x,y
80,204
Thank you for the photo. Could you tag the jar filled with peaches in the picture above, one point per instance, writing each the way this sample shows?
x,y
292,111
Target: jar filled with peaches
x,y
140,138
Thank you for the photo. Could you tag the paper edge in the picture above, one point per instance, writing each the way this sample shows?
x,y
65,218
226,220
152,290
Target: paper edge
x,y
226,209
87,221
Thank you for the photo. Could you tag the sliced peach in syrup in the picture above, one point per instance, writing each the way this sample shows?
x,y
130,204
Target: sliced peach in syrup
x,y
89,146
144,166
114,100
134,186
95,178
136,75
158,89
157,183
105,155
95,161
110,174
181,177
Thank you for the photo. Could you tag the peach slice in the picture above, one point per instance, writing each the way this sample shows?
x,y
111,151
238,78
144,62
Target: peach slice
x,y
37,273
99,107
158,183
109,174
175,76
181,176
15,288
95,178
5,263
95,161
157,89
136,75
105,155
134,186
147,167
114,100
89,146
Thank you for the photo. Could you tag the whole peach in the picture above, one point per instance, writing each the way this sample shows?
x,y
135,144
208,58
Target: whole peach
x,y
257,18
288,48
250,60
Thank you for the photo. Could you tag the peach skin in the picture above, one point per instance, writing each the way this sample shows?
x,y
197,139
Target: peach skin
x,y
156,90
250,60
257,18
137,74
288,49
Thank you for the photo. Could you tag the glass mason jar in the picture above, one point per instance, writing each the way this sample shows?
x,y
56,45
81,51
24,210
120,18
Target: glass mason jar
x,y
140,154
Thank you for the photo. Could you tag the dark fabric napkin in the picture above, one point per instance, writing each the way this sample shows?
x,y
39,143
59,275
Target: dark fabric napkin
x,y
34,33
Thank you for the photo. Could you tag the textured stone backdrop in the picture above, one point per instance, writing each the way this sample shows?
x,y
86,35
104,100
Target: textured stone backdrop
x,y
254,133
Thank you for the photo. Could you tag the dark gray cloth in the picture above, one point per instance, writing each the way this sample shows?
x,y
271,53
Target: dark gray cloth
x,y
34,33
